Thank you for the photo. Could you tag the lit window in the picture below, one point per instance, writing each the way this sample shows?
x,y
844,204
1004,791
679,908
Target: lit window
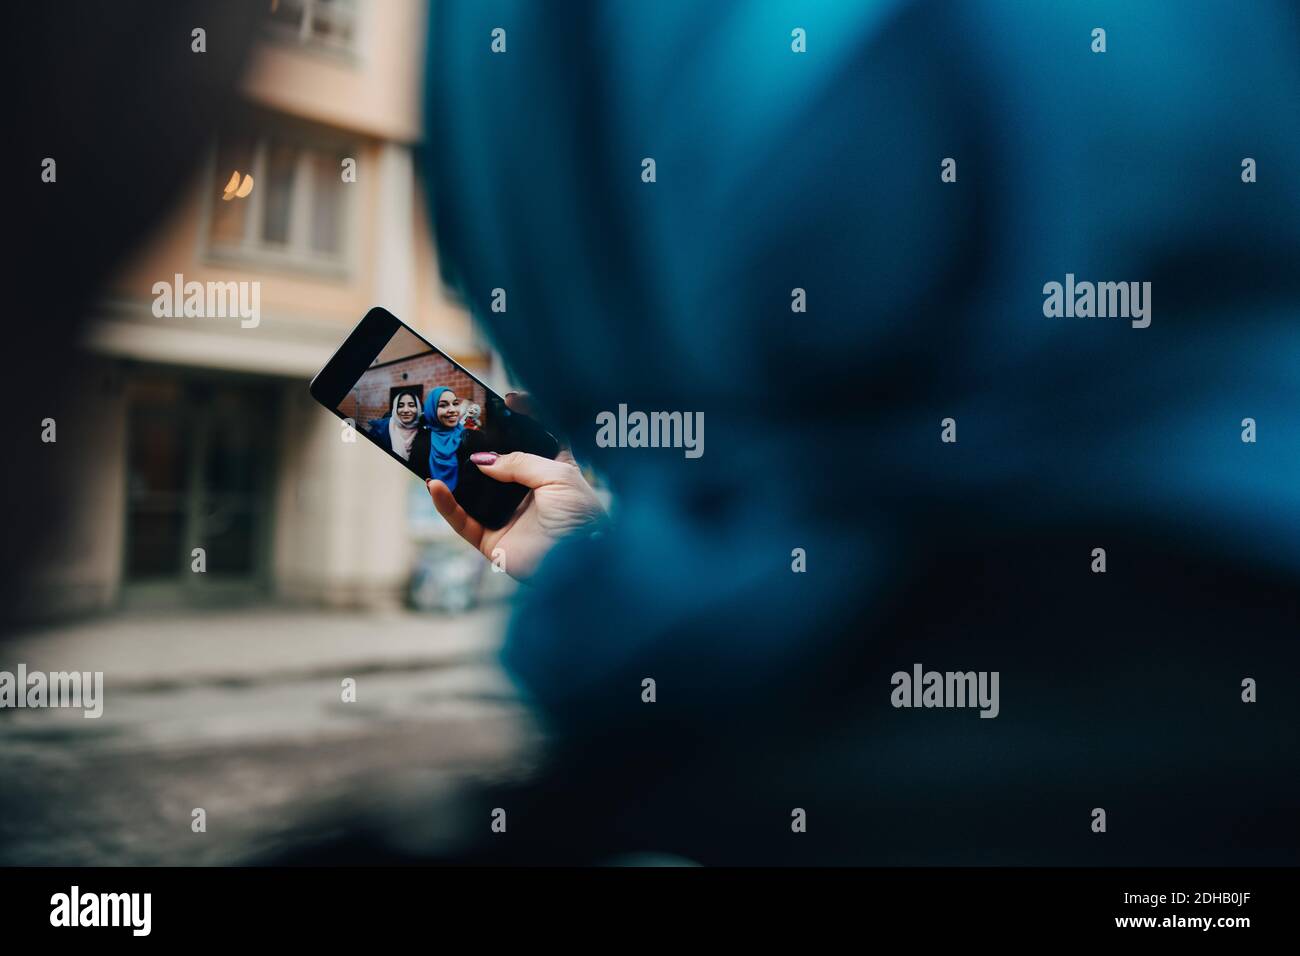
x,y
297,212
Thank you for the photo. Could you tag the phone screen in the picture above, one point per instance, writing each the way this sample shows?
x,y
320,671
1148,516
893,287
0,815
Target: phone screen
x,y
408,398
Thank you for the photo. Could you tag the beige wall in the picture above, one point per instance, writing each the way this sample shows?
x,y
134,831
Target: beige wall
x,y
80,569
376,92
438,314
341,536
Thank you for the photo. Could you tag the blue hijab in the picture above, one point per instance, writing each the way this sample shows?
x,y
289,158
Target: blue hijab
x,y
1070,400
443,441
779,170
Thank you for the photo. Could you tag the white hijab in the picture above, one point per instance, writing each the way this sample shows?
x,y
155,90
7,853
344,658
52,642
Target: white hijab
x,y
401,436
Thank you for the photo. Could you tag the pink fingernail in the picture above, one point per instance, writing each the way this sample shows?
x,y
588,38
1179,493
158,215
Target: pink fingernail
x,y
484,457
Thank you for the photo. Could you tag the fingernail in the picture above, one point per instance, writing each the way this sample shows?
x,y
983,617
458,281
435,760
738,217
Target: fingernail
x,y
484,457
511,395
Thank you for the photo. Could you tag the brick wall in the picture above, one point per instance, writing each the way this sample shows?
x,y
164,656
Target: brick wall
x,y
349,406
369,398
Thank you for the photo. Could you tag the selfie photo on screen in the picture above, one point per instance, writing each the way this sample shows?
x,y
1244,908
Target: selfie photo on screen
x,y
425,410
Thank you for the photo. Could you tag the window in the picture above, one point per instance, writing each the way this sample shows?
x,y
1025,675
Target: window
x,y
297,213
321,24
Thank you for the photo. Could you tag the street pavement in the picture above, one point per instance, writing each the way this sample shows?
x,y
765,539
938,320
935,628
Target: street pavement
x,y
240,713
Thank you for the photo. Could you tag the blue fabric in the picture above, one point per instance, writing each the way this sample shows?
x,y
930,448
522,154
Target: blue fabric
x,y
443,442
821,171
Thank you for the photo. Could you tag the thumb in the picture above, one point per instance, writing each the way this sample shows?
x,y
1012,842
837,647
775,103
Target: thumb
x,y
442,497
531,471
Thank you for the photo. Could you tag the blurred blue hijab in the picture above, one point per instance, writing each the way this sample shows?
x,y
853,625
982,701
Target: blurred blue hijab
x,y
778,171
443,441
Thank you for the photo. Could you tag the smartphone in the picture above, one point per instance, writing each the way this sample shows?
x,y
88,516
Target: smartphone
x,y
408,398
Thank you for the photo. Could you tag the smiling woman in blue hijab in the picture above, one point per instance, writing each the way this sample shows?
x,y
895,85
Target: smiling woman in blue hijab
x,y
440,438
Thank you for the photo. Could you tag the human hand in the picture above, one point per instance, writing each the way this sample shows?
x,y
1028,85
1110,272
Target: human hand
x,y
560,503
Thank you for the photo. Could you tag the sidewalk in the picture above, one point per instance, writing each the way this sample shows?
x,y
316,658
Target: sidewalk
x,y
240,713
138,651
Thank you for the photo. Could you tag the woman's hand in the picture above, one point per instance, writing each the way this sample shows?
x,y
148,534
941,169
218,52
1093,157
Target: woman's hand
x,y
560,503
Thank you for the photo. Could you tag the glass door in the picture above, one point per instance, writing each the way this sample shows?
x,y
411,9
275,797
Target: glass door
x,y
199,477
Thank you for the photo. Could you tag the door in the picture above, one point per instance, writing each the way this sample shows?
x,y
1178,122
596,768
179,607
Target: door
x,y
198,488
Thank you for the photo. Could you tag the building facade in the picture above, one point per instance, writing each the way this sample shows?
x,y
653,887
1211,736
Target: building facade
x,y
205,435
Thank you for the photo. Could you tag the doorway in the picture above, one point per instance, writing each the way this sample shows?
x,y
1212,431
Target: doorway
x,y
199,488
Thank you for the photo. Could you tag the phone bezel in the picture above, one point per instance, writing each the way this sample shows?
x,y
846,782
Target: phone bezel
x,y
333,382
348,363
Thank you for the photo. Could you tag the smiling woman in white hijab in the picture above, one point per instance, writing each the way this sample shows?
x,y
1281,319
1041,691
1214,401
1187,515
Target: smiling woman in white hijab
x,y
398,430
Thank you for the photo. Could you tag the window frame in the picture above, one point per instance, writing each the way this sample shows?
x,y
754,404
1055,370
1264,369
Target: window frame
x,y
297,256
303,38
